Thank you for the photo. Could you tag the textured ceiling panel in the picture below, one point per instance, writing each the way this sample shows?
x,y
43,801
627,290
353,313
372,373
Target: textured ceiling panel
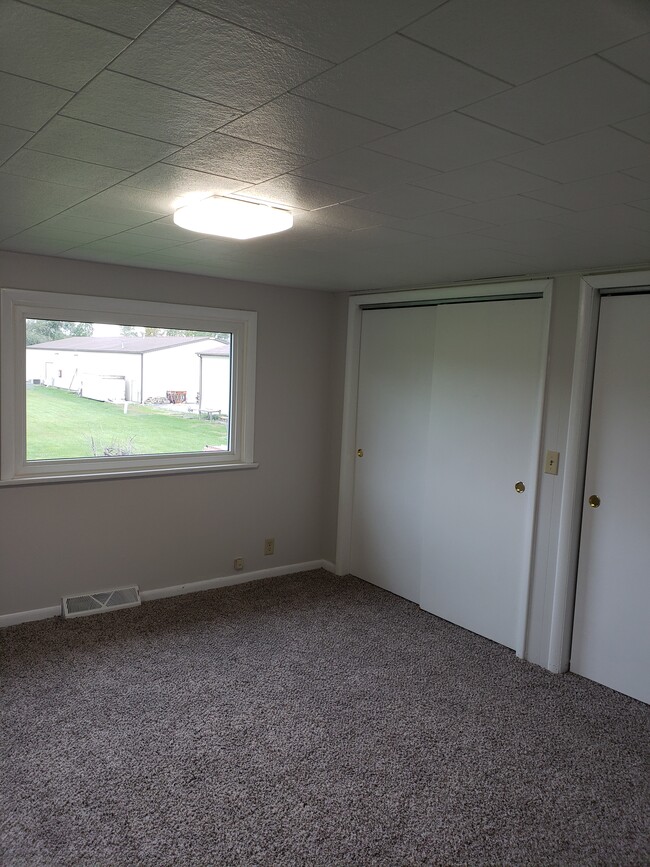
x,y
195,53
301,192
11,139
519,41
131,105
366,170
594,153
373,84
235,158
407,201
304,127
128,17
49,48
633,56
451,142
72,173
639,127
335,29
29,104
488,180
176,181
576,99
594,192
467,140
97,144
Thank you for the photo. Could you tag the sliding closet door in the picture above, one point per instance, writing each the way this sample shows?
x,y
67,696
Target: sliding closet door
x,y
611,630
487,371
392,428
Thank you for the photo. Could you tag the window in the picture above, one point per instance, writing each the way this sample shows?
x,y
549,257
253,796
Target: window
x,y
94,387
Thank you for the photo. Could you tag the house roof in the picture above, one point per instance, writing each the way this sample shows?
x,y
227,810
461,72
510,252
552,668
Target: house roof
x,y
136,345
220,349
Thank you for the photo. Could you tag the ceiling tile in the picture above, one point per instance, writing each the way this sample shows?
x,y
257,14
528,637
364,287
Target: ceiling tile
x,y
345,217
587,155
29,104
73,173
488,180
594,192
511,209
607,218
373,84
639,127
130,198
450,142
200,55
383,237
301,192
303,127
177,181
11,139
69,223
634,56
581,97
362,169
407,201
114,214
35,200
335,30
131,105
640,172
37,44
165,229
122,16
236,158
518,44
126,244
439,225
98,144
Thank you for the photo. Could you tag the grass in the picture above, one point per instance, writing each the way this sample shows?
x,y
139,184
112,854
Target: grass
x,y
60,424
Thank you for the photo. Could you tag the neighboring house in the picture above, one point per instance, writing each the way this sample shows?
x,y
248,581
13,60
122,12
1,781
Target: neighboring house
x,y
214,378
131,368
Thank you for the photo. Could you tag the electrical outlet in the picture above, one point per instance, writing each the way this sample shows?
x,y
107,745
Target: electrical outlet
x,y
269,547
238,563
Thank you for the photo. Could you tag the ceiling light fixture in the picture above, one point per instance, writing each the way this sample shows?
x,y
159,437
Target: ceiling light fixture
x,y
233,218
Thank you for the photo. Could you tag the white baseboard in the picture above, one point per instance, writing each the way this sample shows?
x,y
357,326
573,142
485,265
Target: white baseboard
x,y
179,589
27,616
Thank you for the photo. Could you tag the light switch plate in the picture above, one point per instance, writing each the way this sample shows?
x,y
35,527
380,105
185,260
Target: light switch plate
x,y
551,463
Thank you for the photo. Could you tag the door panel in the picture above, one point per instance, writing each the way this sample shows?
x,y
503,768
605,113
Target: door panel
x,y
392,425
483,439
611,632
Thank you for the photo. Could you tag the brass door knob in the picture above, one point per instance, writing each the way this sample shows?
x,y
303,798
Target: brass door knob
x,y
520,487
594,501
359,453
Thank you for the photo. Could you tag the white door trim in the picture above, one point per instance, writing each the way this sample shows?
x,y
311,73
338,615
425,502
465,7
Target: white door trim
x,y
483,291
566,570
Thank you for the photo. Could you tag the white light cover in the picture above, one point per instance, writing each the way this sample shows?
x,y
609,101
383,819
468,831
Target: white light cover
x,y
233,218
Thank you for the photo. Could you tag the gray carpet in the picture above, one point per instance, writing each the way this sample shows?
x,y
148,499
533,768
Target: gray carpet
x,y
307,720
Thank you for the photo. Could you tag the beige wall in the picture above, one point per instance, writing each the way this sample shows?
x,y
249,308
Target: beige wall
x,y
65,538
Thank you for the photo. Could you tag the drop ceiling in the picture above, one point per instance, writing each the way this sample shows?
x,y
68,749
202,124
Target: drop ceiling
x,y
417,141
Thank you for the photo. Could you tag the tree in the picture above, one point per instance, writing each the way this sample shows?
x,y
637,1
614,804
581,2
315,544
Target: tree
x,y
152,331
42,330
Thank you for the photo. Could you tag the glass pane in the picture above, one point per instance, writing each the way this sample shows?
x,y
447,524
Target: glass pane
x,y
102,390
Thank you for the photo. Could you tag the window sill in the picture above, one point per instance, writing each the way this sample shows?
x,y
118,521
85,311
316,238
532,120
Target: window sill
x,y
124,474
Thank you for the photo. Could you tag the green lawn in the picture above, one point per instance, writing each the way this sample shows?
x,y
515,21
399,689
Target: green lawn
x,y
61,424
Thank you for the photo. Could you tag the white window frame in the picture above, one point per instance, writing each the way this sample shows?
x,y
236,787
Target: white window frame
x,y
17,305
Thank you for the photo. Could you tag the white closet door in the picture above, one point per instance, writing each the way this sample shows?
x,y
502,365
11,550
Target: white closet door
x,y
611,631
392,425
486,394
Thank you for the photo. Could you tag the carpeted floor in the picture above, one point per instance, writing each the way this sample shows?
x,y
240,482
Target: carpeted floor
x,y
307,720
